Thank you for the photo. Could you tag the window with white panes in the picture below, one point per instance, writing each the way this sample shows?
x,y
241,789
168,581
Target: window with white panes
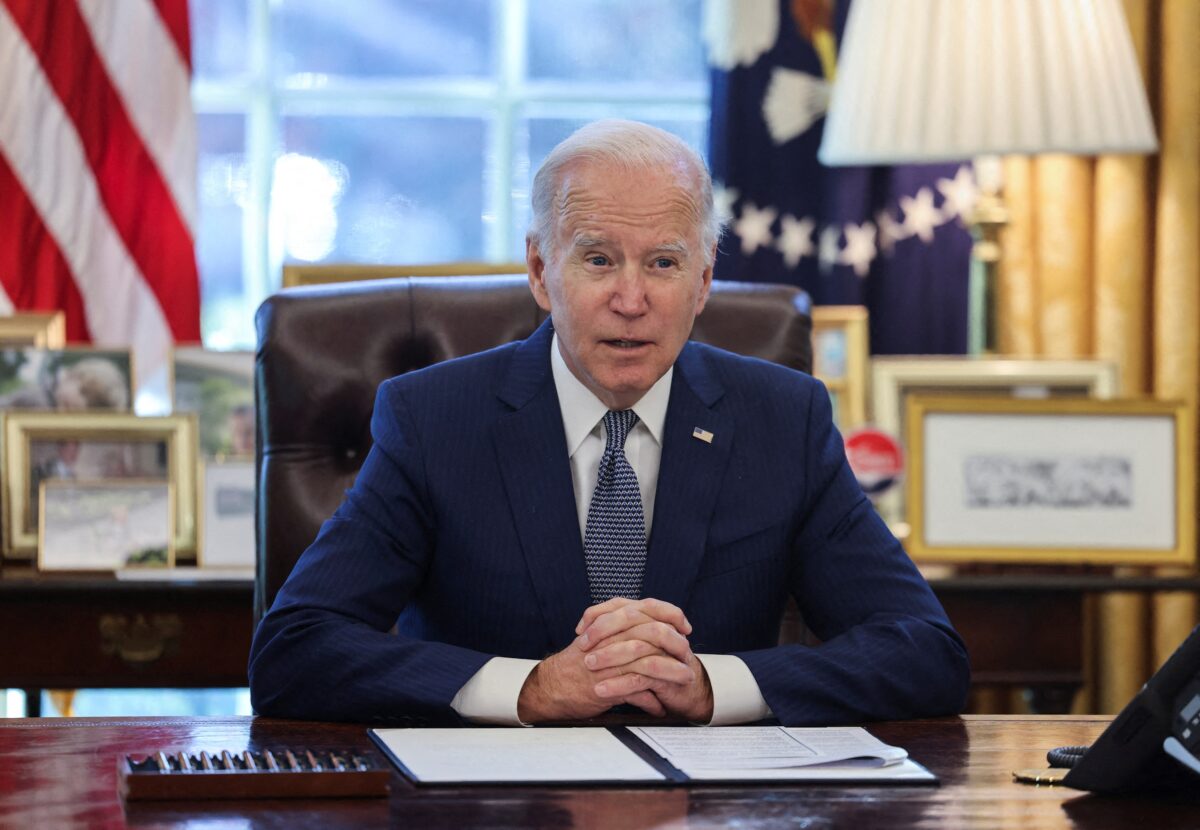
x,y
406,131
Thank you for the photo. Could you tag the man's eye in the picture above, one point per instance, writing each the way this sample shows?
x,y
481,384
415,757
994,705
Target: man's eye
x,y
596,259
664,262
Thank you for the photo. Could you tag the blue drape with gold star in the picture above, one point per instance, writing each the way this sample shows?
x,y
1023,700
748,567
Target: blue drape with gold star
x,y
892,239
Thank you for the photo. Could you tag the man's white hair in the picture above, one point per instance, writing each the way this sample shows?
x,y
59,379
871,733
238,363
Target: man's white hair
x,y
630,145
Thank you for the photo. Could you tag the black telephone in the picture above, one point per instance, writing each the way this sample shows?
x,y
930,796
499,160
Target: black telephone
x,y
1154,743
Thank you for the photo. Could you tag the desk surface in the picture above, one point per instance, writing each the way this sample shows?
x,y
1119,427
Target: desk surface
x,y
62,773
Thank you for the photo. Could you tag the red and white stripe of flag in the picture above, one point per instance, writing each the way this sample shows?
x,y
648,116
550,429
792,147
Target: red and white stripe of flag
x,y
98,171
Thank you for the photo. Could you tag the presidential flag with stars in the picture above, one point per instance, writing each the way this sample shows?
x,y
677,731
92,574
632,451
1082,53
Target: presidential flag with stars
x,y
892,239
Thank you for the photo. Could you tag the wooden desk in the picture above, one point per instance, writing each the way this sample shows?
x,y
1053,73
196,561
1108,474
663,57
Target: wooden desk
x,y
62,773
77,633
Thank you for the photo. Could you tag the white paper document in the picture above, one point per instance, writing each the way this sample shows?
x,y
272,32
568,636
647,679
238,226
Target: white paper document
x,y
776,752
596,755
476,756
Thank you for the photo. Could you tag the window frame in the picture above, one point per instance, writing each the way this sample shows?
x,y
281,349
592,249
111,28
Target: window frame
x,y
502,102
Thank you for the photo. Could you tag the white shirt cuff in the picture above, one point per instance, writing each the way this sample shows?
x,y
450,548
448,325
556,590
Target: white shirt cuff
x,y
490,696
736,696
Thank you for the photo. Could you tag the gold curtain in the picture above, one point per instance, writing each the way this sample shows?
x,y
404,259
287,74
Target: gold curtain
x,y
1102,257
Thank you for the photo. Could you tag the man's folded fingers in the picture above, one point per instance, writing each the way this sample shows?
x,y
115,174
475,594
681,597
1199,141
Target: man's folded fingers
x,y
659,636
664,611
663,667
618,652
629,618
665,637
648,703
594,611
632,611
644,673
622,686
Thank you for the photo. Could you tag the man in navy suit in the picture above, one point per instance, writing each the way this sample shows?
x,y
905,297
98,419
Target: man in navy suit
x,y
607,515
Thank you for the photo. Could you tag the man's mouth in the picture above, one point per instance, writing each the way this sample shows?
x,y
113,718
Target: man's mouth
x,y
626,344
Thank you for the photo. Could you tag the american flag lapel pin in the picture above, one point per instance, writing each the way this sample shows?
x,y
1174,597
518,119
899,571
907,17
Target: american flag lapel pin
x,y
703,434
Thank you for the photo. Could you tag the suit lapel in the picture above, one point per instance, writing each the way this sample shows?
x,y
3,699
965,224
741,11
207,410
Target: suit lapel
x,y
531,447
689,480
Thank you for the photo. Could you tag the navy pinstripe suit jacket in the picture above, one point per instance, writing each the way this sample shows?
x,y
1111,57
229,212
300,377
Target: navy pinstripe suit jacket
x,y
461,532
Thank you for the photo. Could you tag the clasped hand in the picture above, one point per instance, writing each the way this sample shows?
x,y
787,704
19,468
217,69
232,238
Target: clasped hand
x,y
626,651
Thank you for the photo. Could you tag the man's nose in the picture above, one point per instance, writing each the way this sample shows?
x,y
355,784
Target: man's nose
x,y
629,292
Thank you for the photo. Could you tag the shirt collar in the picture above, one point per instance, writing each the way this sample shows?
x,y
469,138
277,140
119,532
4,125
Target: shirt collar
x,y
582,411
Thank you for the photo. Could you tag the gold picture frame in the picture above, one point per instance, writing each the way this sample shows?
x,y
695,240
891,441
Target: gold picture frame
x,y
841,353
1052,481
42,329
895,378
88,526
296,275
94,445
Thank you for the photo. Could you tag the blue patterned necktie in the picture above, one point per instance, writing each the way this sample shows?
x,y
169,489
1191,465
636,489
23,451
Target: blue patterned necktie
x,y
614,541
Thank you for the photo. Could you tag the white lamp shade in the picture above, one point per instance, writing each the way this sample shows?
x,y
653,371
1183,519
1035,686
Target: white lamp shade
x,y
937,80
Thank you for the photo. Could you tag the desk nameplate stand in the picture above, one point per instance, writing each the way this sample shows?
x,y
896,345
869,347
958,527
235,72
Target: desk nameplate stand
x,y
286,773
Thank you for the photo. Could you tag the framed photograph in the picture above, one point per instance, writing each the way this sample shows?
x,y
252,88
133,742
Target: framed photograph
x,y
94,446
43,329
895,379
105,525
72,379
227,531
841,351
219,388
1053,480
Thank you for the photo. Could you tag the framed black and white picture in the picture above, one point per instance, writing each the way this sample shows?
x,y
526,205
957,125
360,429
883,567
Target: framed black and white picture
x,y
895,378
1052,480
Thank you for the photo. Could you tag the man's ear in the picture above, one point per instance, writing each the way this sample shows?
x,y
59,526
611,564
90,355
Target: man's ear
x,y
706,282
537,274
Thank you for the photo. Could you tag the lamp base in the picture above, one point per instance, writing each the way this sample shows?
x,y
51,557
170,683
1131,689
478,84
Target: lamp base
x,y
987,218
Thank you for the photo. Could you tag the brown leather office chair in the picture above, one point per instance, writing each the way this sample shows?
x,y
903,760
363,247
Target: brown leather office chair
x,y
323,350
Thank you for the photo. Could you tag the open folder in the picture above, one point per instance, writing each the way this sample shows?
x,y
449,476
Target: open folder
x,y
657,755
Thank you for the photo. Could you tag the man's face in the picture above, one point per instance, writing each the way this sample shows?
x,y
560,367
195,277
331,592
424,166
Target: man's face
x,y
627,277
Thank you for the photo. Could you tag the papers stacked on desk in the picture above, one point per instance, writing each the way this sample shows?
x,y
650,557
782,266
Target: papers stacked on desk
x,y
650,755
777,753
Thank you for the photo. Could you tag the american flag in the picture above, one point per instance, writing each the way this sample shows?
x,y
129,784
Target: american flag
x,y
98,171
892,239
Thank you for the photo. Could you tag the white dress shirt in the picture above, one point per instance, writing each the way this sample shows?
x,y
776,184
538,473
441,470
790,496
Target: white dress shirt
x,y
490,696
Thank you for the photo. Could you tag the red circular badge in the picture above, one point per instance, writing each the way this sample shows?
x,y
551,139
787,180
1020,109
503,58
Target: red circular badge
x,y
876,459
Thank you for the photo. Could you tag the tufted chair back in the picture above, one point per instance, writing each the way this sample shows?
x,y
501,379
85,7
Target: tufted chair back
x,y
323,350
